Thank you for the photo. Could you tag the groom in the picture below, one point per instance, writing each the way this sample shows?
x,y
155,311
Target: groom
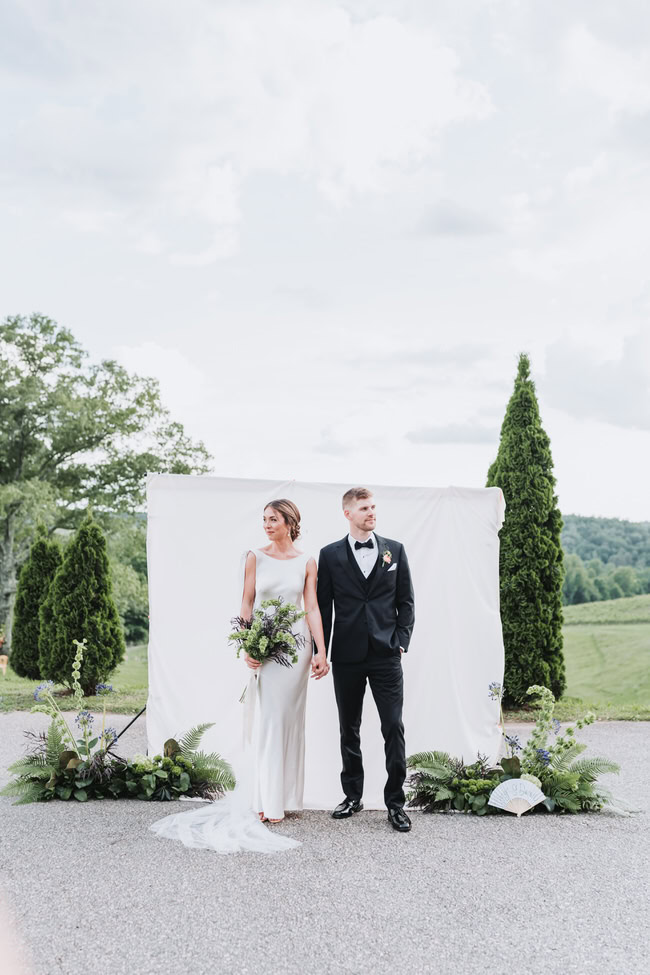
x,y
366,579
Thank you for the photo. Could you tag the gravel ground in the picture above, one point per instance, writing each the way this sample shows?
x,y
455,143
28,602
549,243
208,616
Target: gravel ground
x,y
90,887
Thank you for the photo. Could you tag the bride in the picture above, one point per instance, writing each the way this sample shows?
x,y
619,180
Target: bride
x,y
280,693
280,570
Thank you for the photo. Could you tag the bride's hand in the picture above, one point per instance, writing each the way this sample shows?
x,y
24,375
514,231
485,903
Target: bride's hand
x,y
319,666
253,664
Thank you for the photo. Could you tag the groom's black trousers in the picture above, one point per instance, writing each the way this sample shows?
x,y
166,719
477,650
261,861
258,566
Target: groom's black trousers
x,y
384,674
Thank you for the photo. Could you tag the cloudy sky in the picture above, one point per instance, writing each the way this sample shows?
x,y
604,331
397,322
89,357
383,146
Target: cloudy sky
x,y
329,228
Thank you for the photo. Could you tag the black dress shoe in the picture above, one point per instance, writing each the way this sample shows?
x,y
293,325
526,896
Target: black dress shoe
x,y
347,808
399,820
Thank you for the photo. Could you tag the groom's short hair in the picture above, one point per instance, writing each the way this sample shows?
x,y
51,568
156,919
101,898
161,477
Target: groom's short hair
x,y
355,494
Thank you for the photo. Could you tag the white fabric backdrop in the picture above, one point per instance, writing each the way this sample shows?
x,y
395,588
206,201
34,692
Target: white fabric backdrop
x,y
199,528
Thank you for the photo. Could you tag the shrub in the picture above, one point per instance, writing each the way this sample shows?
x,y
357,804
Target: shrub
x,y
531,569
33,584
80,601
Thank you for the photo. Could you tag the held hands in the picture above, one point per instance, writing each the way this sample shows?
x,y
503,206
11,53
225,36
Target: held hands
x,y
319,666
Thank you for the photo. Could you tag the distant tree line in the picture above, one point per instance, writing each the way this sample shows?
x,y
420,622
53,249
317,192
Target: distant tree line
x,y
587,582
605,558
611,540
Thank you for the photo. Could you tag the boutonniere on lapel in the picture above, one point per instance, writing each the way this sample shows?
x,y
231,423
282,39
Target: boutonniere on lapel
x,y
386,558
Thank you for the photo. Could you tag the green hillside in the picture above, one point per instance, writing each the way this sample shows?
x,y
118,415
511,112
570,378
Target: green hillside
x,y
607,655
633,609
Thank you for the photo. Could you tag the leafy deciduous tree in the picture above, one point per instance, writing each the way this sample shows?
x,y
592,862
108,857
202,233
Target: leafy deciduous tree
x,y
74,433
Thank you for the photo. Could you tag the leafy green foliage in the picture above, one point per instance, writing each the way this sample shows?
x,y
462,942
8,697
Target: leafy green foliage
x,y
89,770
74,433
609,541
192,739
594,581
127,551
80,601
439,783
531,554
33,584
55,772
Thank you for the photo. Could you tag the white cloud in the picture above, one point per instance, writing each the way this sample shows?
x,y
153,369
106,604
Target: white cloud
x,y
470,432
620,78
167,125
615,391
91,221
580,180
183,385
448,219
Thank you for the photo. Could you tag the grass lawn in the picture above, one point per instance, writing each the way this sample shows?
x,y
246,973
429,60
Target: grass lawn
x,y
632,609
129,681
607,655
606,647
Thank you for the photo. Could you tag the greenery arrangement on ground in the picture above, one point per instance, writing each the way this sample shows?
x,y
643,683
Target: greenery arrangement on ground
x,y
62,766
441,783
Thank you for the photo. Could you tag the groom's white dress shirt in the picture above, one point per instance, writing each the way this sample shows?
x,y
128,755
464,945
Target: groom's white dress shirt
x,y
366,557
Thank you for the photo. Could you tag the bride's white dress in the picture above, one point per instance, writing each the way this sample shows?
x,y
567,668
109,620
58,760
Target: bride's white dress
x,y
270,780
281,696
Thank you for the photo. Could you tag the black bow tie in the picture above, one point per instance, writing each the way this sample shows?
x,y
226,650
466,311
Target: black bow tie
x,y
367,544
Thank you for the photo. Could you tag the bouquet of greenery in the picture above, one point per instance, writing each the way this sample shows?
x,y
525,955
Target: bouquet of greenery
x,y
268,636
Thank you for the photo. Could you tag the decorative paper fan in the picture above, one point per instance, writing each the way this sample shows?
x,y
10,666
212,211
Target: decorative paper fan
x,y
516,796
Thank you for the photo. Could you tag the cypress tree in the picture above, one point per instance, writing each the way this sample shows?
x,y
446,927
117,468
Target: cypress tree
x,y
80,605
33,584
531,552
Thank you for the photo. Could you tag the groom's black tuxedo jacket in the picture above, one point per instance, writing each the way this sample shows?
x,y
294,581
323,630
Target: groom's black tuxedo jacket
x,y
376,612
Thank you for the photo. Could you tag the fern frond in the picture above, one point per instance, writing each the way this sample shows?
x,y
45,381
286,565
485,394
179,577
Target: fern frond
x,y
29,771
214,769
424,760
55,743
26,789
592,768
38,760
437,773
444,793
35,794
192,739
561,761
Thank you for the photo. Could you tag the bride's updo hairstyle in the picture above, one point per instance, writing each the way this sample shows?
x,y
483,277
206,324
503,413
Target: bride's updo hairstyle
x,y
290,514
